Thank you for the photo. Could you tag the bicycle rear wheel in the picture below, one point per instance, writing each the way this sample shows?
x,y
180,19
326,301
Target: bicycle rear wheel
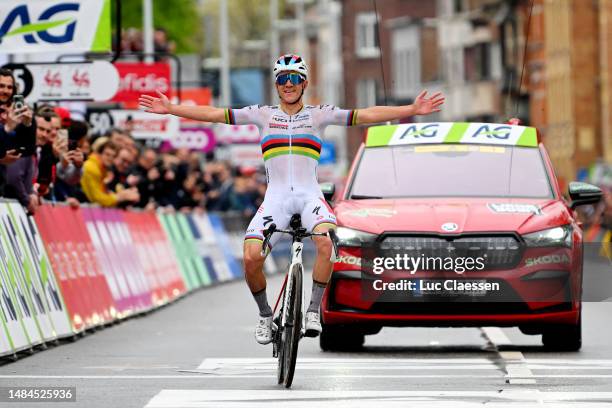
x,y
290,336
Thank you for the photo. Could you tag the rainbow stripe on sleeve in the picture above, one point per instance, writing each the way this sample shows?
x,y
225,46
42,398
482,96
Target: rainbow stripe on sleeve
x,y
229,117
352,118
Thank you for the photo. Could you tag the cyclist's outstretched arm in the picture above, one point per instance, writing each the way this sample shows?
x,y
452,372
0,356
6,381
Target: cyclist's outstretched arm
x,y
161,104
422,105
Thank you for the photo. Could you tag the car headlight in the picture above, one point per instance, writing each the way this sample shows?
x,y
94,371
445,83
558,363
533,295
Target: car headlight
x,y
352,237
558,236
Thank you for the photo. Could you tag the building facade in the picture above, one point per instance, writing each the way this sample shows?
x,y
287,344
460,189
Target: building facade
x,y
568,69
387,54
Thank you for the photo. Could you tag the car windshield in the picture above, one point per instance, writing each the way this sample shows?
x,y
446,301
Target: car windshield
x,y
451,171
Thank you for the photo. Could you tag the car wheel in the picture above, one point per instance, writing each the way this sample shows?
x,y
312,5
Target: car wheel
x,y
563,338
340,338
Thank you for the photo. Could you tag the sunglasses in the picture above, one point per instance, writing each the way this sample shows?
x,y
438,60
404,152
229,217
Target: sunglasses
x,y
295,79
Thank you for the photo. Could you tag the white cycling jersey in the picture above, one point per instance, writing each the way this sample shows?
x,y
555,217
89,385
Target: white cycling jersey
x,y
291,144
291,147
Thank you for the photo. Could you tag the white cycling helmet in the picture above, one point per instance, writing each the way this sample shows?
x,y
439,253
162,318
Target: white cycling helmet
x,y
290,62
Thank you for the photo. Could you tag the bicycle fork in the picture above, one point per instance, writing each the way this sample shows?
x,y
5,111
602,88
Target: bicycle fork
x,y
296,258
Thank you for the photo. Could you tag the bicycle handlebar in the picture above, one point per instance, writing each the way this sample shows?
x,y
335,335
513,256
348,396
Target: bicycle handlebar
x,y
267,233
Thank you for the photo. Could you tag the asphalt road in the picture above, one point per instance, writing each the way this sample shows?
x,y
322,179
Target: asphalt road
x,y
200,352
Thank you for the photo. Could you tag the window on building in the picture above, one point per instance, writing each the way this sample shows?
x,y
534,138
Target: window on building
x,y
366,35
453,65
367,93
406,61
457,6
477,61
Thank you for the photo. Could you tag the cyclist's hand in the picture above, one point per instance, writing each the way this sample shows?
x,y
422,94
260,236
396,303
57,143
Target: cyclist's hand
x,y
424,105
152,104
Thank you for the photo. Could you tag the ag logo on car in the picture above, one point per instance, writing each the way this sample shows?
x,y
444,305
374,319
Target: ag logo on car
x,y
449,227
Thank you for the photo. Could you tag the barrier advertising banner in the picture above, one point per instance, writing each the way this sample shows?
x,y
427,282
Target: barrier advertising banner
x,y
115,281
102,305
124,248
32,271
169,223
28,26
68,270
47,220
14,336
55,301
145,258
225,244
130,301
18,286
167,264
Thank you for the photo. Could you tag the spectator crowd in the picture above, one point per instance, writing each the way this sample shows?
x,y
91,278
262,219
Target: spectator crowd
x,y
47,156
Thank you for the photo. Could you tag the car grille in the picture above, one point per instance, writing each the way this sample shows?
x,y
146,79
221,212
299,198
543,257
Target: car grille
x,y
498,252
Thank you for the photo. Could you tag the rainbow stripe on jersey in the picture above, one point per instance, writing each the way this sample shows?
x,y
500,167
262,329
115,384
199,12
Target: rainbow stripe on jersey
x,y
303,144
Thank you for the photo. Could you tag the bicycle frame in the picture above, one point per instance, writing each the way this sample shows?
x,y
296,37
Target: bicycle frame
x,y
296,258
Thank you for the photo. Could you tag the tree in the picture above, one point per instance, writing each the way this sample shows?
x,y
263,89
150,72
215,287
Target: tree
x,y
248,20
180,18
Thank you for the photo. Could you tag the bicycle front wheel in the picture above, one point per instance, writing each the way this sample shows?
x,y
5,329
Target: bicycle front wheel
x,y
293,327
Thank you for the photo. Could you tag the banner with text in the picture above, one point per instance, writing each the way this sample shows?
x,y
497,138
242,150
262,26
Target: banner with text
x,y
28,26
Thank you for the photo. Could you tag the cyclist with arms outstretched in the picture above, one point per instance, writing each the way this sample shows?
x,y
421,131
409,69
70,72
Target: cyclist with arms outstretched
x,y
291,137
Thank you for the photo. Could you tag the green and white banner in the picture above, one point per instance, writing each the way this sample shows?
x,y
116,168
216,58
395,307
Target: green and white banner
x,y
459,133
45,292
26,331
28,26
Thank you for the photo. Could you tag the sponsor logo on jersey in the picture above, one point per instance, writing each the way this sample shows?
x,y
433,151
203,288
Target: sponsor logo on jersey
x,y
303,126
278,126
302,117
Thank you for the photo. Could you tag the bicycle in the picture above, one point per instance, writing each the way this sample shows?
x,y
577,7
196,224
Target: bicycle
x,y
290,318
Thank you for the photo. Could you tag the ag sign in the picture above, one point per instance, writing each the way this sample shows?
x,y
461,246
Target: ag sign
x,y
28,26
83,81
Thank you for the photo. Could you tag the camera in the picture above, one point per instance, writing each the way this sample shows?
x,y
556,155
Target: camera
x,y
19,101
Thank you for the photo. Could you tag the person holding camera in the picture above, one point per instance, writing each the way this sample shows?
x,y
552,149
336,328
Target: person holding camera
x,y
17,144
69,169
21,174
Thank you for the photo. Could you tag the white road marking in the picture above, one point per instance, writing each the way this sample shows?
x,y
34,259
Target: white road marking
x,y
496,336
517,370
382,399
267,364
213,362
512,364
208,376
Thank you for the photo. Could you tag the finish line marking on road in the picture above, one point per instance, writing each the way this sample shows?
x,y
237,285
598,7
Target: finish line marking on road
x,y
208,376
213,365
383,399
512,363
518,372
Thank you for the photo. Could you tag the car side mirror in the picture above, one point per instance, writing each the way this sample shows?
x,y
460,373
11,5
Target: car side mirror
x,y
328,190
583,193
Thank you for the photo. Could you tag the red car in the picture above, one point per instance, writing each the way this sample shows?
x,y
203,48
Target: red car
x,y
456,190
